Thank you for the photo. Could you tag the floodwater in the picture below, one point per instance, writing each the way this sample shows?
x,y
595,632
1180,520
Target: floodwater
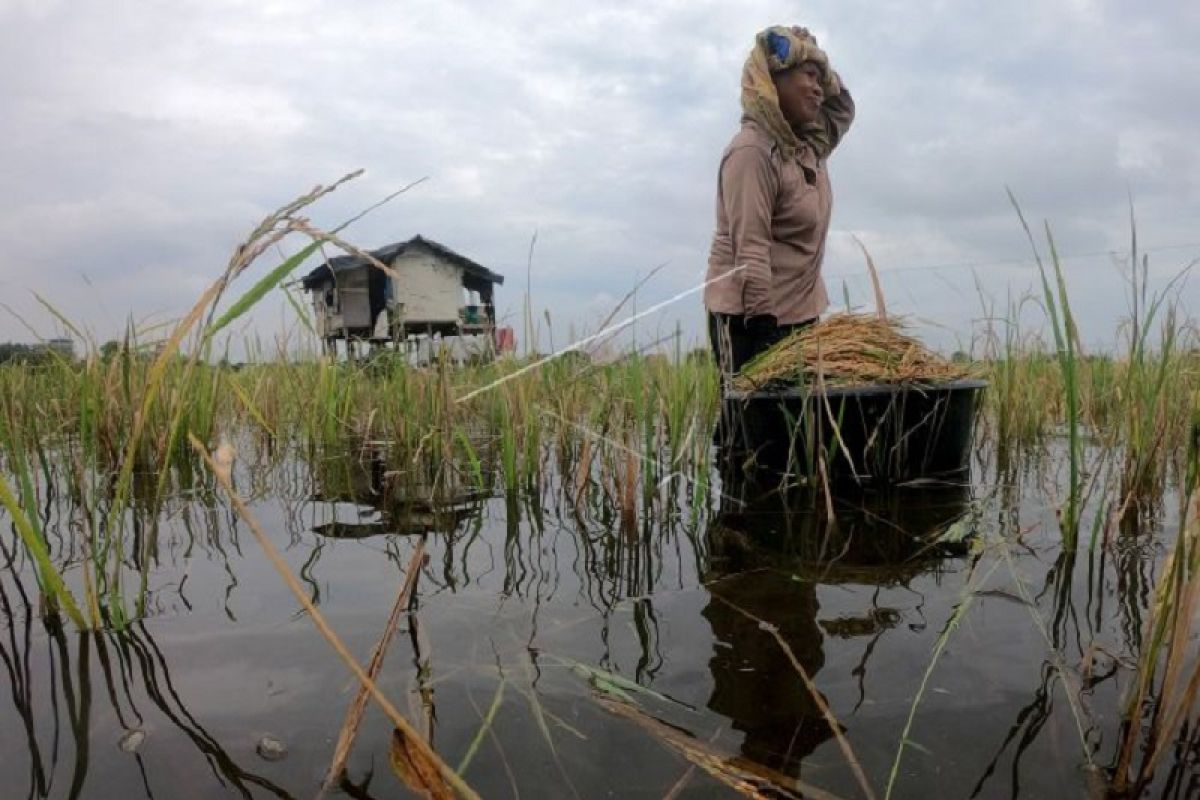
x,y
669,658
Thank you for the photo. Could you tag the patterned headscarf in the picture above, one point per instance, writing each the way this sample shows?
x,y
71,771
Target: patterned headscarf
x,y
775,49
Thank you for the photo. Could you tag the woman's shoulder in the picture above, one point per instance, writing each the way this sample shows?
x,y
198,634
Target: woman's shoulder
x,y
752,135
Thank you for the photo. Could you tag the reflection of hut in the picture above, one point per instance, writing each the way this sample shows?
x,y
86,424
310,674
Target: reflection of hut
x,y
434,501
431,291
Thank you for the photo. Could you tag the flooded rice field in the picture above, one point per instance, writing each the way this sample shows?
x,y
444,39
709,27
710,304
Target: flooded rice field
x,y
725,639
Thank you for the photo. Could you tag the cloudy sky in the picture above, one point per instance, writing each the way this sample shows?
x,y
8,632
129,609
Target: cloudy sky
x,y
142,140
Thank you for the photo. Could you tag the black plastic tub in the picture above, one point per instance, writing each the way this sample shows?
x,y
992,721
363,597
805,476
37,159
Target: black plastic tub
x,y
878,433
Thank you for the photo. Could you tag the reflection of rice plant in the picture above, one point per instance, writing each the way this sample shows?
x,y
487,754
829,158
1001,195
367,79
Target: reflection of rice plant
x,y
1163,700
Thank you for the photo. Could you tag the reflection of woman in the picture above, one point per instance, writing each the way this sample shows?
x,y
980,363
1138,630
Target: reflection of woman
x,y
773,197
755,684
767,554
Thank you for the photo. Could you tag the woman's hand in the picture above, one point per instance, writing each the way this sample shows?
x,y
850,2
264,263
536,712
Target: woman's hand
x,y
762,326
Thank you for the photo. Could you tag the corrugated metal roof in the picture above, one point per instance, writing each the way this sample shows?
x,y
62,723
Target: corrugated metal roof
x,y
389,252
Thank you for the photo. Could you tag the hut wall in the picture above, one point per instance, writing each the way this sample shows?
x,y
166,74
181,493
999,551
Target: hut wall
x,y
329,319
342,304
354,298
430,289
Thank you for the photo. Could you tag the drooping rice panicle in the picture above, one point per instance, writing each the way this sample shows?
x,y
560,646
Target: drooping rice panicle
x,y
854,349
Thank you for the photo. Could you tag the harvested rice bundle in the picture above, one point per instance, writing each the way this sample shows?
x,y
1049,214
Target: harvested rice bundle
x,y
851,349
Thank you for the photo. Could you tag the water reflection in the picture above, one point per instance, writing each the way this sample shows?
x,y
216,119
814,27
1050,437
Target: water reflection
x,y
395,500
768,553
724,611
66,686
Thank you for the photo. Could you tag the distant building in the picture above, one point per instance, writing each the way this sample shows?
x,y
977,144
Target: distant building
x,y
436,292
63,346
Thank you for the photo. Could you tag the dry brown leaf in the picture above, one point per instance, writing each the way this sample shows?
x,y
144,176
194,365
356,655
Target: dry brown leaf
x,y
746,777
415,770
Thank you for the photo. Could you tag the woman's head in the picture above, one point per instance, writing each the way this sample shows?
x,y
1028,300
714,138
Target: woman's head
x,y
784,82
800,93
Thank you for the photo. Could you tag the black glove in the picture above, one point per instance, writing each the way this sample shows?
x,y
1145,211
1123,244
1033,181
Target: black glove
x,y
763,326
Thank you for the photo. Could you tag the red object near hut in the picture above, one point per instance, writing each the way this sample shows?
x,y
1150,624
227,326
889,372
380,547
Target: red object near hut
x,y
506,342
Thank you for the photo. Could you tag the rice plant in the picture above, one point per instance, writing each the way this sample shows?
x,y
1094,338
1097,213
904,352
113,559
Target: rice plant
x,y
621,446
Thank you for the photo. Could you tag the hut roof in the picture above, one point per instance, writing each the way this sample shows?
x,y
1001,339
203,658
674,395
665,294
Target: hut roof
x,y
475,272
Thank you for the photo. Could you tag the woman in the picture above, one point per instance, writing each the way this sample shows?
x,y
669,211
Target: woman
x,y
773,198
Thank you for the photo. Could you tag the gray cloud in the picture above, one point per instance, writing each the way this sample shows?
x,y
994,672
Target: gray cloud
x,y
143,141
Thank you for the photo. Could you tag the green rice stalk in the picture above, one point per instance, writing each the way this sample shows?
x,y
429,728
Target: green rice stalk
x,y
49,579
301,312
1065,339
485,727
1068,335
960,611
260,289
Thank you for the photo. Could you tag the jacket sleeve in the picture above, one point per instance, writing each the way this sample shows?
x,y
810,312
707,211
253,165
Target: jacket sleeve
x,y
837,114
749,183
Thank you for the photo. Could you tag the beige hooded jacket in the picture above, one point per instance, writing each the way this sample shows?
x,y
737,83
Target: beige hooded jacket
x,y
772,216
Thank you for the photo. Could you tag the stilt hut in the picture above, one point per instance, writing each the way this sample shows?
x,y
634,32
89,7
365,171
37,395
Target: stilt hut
x,y
436,292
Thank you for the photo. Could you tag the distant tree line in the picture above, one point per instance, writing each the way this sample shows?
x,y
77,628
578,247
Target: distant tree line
x,y
18,353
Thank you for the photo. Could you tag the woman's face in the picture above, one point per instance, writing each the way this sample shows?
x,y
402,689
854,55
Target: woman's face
x,y
800,93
